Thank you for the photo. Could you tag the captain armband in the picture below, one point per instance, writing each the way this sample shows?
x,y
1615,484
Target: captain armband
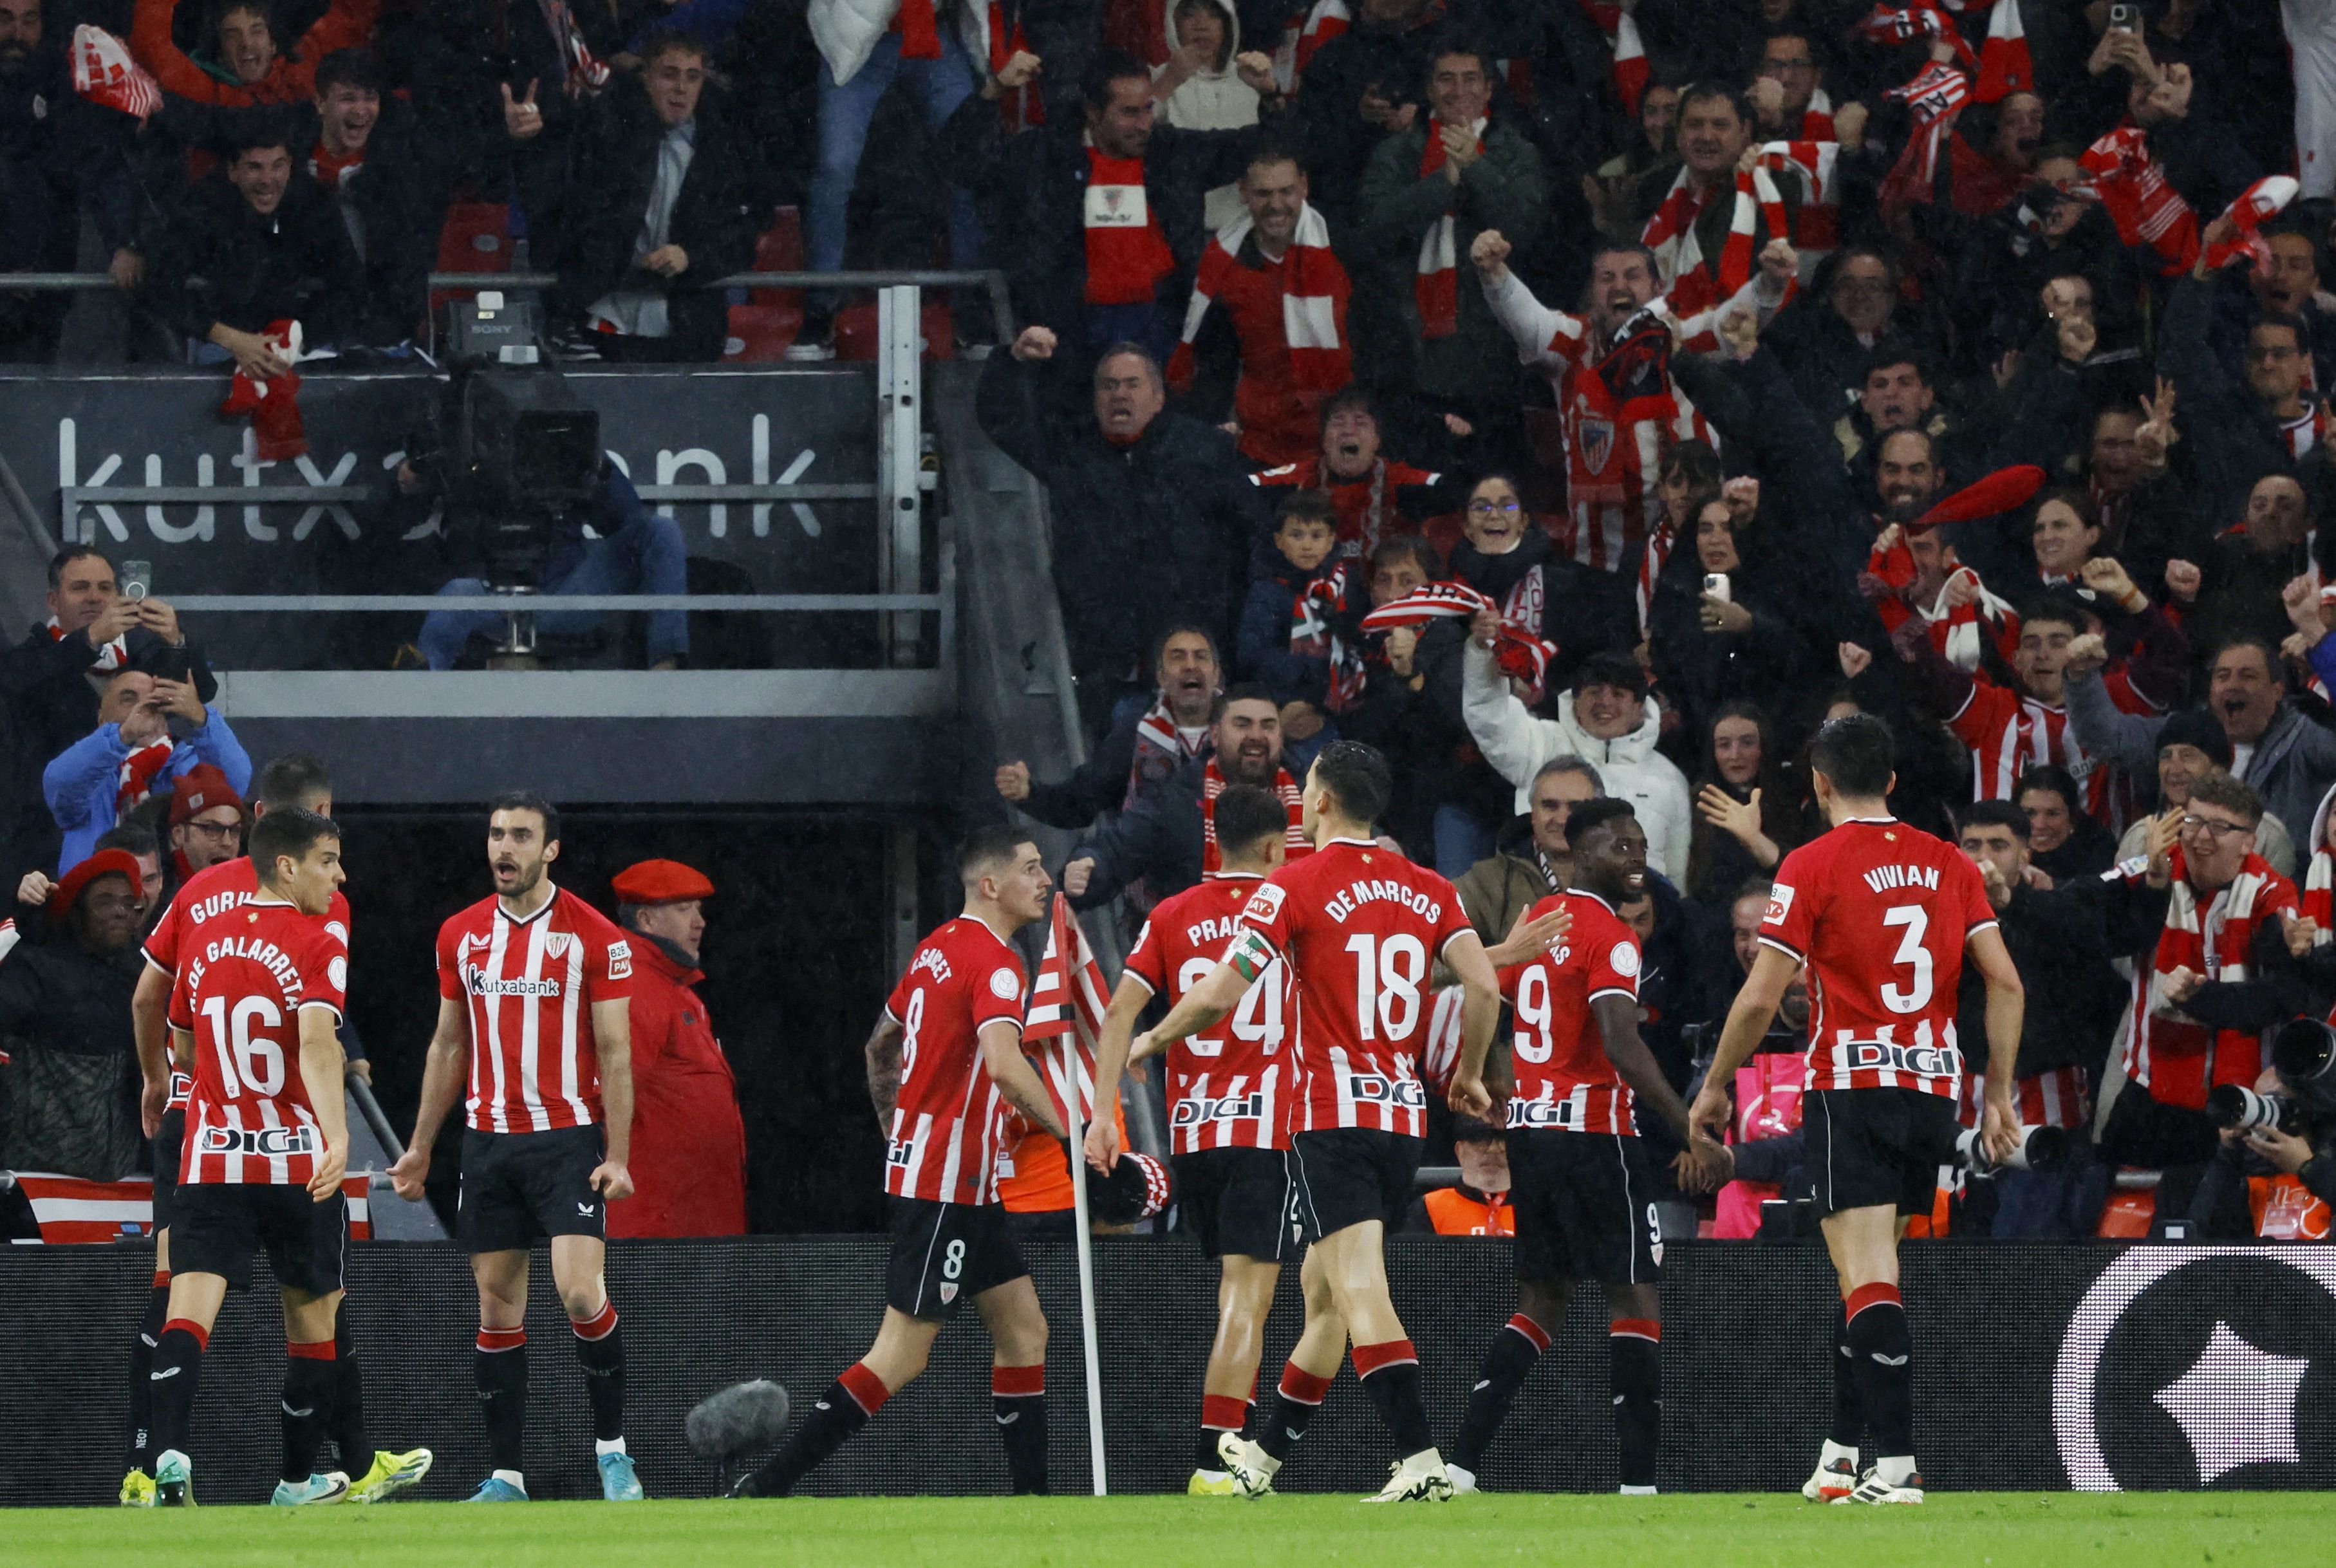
x,y
1251,954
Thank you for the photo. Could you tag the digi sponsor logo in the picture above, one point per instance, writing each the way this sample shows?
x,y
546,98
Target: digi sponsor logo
x,y
1922,1061
1193,1112
267,1143
1371,1089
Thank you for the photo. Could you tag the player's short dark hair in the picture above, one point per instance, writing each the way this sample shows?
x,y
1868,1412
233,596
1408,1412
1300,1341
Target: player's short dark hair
x,y
985,846
357,68
1411,547
1711,87
1248,691
1994,814
1357,776
1306,506
1247,816
528,801
1598,811
2053,780
1109,65
292,833
258,129
2231,793
1857,753
290,780
137,840
69,554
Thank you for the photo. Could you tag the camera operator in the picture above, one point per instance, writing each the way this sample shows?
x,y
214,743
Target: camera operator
x,y
2064,1035
2277,1157
629,550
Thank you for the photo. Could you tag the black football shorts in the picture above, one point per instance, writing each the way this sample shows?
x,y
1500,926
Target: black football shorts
x,y
215,1226
1345,1176
1236,1202
169,1138
944,1254
519,1186
1585,1207
1872,1148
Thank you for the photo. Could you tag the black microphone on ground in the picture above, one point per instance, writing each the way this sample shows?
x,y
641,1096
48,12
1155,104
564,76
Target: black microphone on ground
x,y
737,1421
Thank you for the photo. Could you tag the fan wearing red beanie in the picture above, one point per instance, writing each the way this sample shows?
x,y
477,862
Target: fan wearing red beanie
x,y
689,1143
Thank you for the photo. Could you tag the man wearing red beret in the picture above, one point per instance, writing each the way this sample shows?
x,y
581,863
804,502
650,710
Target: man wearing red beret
x,y
689,1146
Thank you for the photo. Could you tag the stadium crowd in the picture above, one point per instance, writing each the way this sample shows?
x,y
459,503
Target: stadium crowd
x,y
1569,399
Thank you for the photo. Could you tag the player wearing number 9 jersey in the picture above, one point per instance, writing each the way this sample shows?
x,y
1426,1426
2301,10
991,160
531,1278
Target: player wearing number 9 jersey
x,y
1881,915
1228,1091
946,1051
1358,927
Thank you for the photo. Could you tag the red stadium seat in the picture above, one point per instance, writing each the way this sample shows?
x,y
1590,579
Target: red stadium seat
x,y
780,249
759,333
2128,1215
476,237
855,331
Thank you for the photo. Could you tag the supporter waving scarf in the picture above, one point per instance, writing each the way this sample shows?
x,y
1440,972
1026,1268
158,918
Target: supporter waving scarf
x,y
1518,652
1437,287
1693,285
1936,100
2146,209
1630,71
1212,784
104,73
1156,732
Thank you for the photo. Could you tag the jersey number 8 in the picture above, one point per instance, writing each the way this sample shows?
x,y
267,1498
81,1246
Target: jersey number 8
x,y
245,1063
1387,975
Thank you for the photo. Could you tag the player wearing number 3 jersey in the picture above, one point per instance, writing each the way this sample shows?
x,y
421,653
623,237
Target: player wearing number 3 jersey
x,y
1229,1092
1881,915
1358,927
946,1052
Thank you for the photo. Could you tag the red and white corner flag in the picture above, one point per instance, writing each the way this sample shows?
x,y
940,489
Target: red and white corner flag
x,y
1064,1018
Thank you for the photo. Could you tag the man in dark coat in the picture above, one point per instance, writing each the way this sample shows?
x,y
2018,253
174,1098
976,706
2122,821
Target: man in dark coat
x,y
1153,513
365,157
69,1101
256,243
660,197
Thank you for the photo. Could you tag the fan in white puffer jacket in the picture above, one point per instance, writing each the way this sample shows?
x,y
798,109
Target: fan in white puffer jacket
x,y
846,32
1213,98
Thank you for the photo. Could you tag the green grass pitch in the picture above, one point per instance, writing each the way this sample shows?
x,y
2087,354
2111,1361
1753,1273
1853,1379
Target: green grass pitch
x,y
1999,1529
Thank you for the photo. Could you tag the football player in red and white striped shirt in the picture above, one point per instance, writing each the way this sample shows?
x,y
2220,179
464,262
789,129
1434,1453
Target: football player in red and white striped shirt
x,y
945,1058
1881,914
255,1010
534,1015
1583,1192
1358,927
1228,1089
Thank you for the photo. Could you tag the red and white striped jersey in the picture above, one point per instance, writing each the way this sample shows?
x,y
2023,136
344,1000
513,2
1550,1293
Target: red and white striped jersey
x,y
1879,912
530,986
2055,1097
2008,733
1228,1088
944,1138
1360,929
1614,444
201,899
1564,1080
240,989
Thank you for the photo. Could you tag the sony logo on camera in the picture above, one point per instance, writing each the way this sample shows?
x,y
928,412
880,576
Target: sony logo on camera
x,y
268,1143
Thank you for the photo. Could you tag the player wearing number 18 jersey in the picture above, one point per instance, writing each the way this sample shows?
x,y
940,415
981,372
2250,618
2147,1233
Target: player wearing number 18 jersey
x,y
1358,927
946,1052
1228,1095
1881,915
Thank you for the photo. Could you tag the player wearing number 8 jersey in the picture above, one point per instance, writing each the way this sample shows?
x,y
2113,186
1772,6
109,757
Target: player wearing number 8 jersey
x,y
1358,927
1881,915
946,1051
1228,1091
1583,1191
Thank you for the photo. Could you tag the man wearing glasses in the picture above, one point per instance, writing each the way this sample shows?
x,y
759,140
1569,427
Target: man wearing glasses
x,y
207,823
2207,919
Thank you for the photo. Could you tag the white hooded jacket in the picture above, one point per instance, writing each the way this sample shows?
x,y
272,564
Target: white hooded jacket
x,y
1516,743
846,32
1215,98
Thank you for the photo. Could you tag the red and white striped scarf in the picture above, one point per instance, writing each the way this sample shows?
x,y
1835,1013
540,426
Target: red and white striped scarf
x,y
1025,105
1212,784
110,658
2179,1060
1693,285
1630,71
2135,193
1936,100
1436,286
582,73
1314,293
134,780
1916,19
1328,20
104,72
1520,650
1156,733
1815,162
2264,199
2319,893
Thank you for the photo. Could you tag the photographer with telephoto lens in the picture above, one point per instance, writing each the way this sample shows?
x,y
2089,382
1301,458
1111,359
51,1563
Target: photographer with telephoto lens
x,y
2279,1139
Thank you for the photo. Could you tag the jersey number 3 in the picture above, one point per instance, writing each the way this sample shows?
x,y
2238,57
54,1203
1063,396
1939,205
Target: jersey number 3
x,y
1913,998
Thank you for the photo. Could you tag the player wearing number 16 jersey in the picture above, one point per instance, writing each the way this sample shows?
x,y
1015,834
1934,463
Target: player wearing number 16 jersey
x,y
1881,915
946,1052
1358,927
1229,1092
